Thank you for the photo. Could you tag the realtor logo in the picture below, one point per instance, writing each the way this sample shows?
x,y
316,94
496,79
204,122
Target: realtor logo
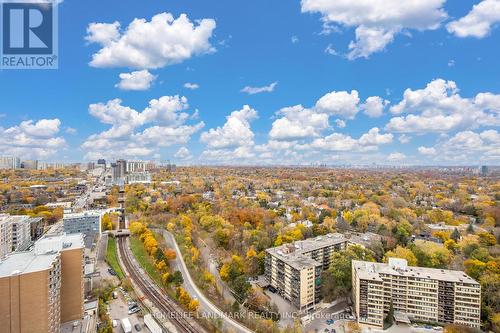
x,y
29,34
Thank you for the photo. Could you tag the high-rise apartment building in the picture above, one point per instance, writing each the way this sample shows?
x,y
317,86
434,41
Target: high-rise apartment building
x,y
416,293
10,162
136,166
42,288
18,232
294,269
30,164
88,223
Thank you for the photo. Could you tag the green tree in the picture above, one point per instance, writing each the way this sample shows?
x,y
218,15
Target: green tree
x,y
455,235
337,280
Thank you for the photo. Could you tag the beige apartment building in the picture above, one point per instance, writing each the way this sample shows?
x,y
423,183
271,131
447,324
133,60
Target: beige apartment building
x,y
294,269
416,293
42,288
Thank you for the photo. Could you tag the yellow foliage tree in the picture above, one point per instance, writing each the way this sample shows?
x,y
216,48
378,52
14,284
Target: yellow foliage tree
x,y
195,254
137,228
251,253
403,253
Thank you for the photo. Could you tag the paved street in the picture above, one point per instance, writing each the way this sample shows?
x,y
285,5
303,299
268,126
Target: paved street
x,y
206,307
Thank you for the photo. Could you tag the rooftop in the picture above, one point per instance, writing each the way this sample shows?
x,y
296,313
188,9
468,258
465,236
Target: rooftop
x,y
93,213
41,257
372,270
294,254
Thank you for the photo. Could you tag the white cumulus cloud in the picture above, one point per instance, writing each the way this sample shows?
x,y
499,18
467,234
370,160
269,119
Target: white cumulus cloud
x,y
440,108
297,122
377,22
339,103
139,133
163,41
478,22
235,132
192,86
183,153
257,90
137,80
32,139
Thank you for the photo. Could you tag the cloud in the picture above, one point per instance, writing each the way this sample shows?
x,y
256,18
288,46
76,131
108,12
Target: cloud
x,y
340,123
339,103
183,154
257,90
32,139
342,142
297,122
396,157
431,151
41,129
331,51
376,23
403,138
236,156
192,86
236,132
161,42
478,22
132,133
374,138
138,80
103,33
439,108
374,106
71,130
471,147
294,39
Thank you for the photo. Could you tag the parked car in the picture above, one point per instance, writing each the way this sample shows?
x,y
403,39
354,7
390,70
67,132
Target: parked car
x,y
134,310
137,327
111,271
114,322
272,289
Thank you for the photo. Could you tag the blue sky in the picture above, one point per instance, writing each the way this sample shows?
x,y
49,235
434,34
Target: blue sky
x,y
309,68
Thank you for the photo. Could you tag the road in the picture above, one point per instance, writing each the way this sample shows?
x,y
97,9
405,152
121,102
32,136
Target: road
x,y
206,306
83,200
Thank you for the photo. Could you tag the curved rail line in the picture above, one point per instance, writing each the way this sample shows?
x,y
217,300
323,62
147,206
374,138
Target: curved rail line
x,y
156,296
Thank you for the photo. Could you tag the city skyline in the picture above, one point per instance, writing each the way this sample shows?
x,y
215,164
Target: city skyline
x,y
232,83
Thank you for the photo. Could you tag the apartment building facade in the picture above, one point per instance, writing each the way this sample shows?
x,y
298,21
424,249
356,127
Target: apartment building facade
x,y
417,293
10,162
294,269
42,288
18,232
88,223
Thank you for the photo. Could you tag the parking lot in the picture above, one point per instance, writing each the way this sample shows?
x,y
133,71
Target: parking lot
x,y
331,319
119,308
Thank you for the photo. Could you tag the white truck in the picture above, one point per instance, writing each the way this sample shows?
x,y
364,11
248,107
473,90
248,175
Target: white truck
x,y
150,323
127,327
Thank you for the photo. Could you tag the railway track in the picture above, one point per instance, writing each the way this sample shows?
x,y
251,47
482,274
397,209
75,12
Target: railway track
x,y
162,302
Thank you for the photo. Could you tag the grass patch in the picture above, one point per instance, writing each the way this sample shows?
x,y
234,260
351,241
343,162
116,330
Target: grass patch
x,y
144,259
112,257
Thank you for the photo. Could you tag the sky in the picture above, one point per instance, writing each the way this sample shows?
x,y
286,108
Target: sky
x,y
263,83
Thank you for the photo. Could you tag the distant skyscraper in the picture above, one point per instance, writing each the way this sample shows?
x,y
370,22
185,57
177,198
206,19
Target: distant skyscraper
x,y
29,164
10,162
101,163
484,170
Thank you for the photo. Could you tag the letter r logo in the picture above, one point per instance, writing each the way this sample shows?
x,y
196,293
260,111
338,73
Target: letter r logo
x,y
27,28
